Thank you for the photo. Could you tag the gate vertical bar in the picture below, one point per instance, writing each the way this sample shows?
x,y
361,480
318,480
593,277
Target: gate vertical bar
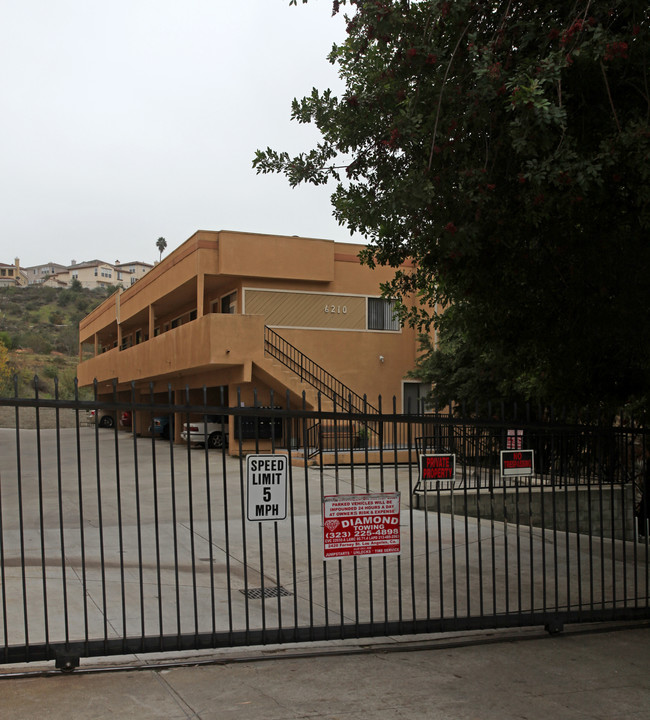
x,y
136,478
59,479
100,521
82,531
226,518
156,515
41,517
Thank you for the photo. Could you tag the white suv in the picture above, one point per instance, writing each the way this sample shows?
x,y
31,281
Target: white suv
x,y
214,428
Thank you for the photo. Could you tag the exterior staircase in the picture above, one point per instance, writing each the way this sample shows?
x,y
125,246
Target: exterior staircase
x,y
286,368
309,373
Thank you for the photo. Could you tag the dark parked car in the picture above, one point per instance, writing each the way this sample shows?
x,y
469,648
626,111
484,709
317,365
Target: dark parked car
x,y
162,426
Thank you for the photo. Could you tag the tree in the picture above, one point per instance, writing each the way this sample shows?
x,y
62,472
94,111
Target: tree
x,y
505,148
161,244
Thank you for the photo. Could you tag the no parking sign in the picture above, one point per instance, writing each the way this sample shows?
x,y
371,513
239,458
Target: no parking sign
x,y
361,525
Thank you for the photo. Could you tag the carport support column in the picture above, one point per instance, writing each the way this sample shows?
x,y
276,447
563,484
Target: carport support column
x,y
152,321
200,294
179,399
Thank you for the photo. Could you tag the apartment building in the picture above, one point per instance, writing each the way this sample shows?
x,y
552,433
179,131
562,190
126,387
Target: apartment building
x,y
224,306
131,272
38,274
12,275
91,274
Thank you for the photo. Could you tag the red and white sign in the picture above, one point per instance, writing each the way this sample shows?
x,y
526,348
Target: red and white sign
x,y
361,525
437,467
517,463
515,440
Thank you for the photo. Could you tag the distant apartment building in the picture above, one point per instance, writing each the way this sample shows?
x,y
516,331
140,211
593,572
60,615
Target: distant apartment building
x,y
91,274
131,272
12,275
37,274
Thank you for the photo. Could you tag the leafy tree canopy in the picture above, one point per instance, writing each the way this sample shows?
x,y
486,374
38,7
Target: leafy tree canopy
x,y
504,146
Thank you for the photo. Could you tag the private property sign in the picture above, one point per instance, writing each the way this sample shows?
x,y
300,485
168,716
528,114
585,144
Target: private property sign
x,y
516,463
437,467
361,525
266,477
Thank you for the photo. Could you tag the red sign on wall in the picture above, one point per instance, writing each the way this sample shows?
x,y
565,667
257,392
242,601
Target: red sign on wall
x,y
361,525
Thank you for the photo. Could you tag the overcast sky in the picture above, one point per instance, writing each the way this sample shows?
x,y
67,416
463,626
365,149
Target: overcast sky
x,y
128,120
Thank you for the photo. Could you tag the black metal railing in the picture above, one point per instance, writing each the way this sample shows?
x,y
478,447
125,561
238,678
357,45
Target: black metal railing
x,y
311,372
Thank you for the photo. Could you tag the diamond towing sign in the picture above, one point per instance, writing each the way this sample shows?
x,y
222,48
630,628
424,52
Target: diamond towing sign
x,y
361,525
267,487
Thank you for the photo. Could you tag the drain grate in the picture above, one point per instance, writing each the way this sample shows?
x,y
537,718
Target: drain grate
x,y
267,592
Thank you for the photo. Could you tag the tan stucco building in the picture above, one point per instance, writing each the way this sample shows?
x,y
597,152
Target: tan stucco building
x,y
12,275
214,311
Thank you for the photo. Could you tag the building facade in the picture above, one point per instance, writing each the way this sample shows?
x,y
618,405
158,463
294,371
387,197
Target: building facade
x,y
12,275
38,274
91,274
212,312
129,273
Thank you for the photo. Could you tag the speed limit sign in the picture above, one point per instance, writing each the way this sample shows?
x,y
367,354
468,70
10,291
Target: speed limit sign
x,y
267,487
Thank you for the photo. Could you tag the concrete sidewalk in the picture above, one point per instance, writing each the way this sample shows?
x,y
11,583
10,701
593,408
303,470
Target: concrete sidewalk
x,y
594,672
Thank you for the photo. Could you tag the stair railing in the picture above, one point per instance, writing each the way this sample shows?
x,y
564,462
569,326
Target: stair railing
x,y
311,372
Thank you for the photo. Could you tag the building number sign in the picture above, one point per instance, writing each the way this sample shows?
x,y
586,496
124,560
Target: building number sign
x,y
336,309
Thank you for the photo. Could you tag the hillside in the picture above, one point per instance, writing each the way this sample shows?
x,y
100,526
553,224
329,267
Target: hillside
x,y
40,328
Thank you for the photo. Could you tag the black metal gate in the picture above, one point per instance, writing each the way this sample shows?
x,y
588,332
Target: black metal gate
x,y
113,543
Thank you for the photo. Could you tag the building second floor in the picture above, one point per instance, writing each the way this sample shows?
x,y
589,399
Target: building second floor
x,y
211,302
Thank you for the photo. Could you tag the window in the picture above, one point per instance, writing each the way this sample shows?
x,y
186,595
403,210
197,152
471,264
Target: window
x,y
414,397
229,304
381,314
193,315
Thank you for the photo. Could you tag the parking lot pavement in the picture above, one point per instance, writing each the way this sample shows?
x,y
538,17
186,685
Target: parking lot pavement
x,y
585,673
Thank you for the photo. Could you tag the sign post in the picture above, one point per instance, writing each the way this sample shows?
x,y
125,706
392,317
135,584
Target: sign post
x,y
266,477
361,525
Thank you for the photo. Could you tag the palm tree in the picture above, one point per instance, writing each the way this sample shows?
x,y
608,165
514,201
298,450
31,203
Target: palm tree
x,y
161,244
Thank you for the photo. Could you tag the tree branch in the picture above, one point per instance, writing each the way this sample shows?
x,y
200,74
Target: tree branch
x,y
609,95
444,82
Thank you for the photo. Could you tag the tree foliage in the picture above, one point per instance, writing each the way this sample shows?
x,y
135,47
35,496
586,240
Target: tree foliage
x,y
161,244
5,370
504,146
